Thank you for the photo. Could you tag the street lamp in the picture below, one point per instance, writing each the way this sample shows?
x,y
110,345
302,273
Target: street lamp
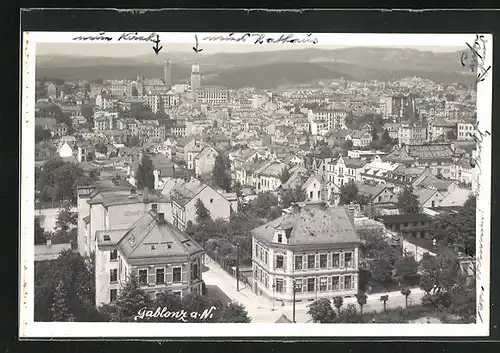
x,y
274,285
294,291
237,267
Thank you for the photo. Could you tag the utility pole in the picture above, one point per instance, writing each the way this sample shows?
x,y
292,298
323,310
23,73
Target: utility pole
x,y
274,285
294,290
237,267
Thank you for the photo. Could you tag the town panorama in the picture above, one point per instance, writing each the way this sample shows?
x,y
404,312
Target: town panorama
x,y
330,200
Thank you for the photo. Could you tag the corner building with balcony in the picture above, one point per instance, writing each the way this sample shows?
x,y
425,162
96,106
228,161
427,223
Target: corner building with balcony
x,y
314,247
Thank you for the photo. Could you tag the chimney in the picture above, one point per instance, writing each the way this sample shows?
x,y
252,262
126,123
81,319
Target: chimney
x,y
350,213
145,194
49,242
161,218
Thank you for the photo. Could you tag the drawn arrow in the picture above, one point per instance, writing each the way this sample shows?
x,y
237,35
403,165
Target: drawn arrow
x,y
156,48
196,50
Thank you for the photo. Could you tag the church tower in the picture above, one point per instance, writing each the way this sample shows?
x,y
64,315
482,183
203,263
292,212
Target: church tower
x,y
167,74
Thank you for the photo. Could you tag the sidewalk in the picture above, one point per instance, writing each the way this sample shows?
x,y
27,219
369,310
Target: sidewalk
x,y
260,308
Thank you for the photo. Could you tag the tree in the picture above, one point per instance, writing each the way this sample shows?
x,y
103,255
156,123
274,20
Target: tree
x,y
129,301
88,112
361,297
347,145
202,213
348,193
144,174
234,313
440,272
78,280
42,134
39,232
384,299
57,180
101,148
406,267
408,202
221,172
66,220
285,175
374,134
406,292
338,301
325,152
60,311
264,203
381,271
386,138
450,135
321,311
457,229
133,141
292,195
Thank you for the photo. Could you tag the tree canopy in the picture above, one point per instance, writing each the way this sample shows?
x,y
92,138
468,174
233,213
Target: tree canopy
x,y
42,134
144,174
221,172
64,289
321,311
57,180
292,195
408,202
457,229
285,175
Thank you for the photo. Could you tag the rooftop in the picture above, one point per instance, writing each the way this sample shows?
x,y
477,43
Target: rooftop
x,y
312,225
153,237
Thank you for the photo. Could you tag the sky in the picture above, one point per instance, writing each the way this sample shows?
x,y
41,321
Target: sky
x,y
131,50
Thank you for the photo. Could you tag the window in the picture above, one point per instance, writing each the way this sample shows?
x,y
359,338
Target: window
x,y
279,261
211,200
348,259
310,261
177,293
279,285
422,223
336,260
335,283
310,194
319,194
414,224
433,203
113,255
143,277
280,238
113,275
322,284
380,199
323,260
348,282
406,224
311,284
160,275
194,271
176,274
298,262
113,294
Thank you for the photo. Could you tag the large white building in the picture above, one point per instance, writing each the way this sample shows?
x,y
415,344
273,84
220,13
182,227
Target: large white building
x,y
313,248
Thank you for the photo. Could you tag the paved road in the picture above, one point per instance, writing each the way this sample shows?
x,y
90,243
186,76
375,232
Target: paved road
x,y
261,310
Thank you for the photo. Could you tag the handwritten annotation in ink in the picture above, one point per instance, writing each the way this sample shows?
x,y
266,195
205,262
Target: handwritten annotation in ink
x,y
475,58
126,36
260,38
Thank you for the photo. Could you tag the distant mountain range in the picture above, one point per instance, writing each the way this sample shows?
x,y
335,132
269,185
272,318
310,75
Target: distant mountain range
x,y
267,69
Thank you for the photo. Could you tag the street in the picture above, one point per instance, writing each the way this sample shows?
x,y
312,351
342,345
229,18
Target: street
x,y
260,308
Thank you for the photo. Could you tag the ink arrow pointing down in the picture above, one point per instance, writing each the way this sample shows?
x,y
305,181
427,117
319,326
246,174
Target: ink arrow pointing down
x,y
196,50
156,48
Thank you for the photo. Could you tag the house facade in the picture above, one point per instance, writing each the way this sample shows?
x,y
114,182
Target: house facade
x,y
162,257
313,250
